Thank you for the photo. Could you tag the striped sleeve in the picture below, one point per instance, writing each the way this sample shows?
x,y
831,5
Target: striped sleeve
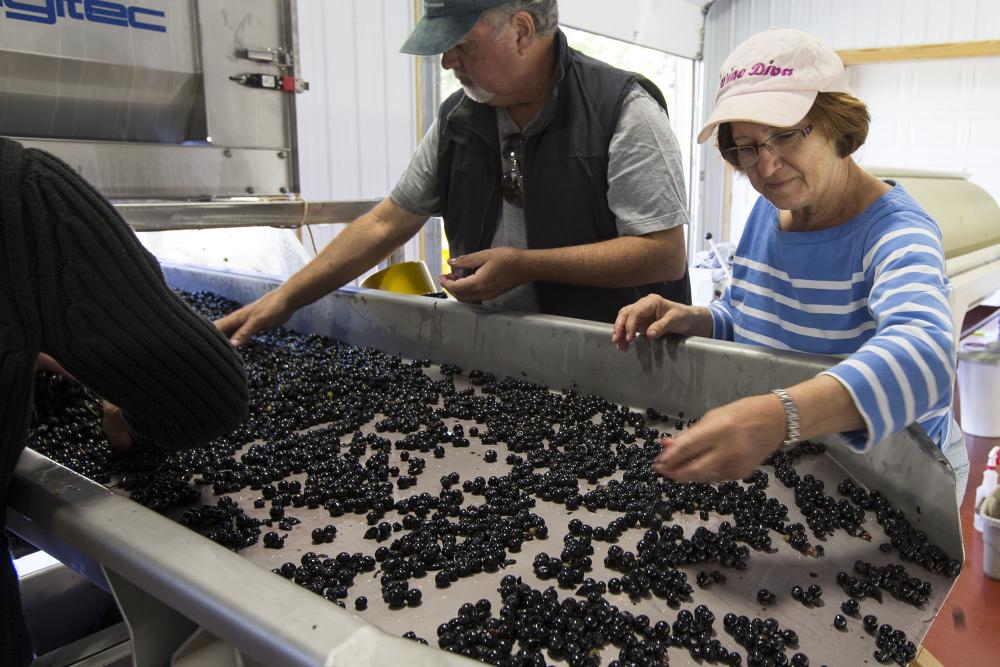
x,y
907,369
722,317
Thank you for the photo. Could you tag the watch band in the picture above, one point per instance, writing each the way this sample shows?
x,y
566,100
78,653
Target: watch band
x,y
791,417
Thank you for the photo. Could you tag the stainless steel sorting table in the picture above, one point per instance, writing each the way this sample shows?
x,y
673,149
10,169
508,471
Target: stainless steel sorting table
x,y
186,597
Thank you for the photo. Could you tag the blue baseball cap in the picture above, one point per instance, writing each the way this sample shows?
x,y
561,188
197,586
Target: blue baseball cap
x,y
444,24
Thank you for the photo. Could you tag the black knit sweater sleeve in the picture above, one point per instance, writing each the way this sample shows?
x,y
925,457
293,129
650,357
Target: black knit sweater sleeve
x,y
76,283
107,315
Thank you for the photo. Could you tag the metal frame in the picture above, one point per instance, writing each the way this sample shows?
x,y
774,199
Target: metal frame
x,y
126,170
292,39
146,216
158,115
170,580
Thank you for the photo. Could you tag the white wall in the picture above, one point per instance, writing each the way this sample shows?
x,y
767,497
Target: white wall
x,y
934,114
937,115
357,123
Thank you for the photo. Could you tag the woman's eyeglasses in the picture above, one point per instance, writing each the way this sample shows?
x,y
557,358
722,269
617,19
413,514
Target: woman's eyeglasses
x,y
510,182
781,144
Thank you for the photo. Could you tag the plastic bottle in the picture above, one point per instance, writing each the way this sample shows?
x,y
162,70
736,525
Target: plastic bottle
x,y
988,486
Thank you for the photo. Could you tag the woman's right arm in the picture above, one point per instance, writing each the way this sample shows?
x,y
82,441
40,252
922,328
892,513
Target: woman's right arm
x,y
653,316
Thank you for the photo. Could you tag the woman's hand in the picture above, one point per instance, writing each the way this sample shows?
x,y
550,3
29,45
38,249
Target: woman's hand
x,y
653,316
729,442
47,363
113,423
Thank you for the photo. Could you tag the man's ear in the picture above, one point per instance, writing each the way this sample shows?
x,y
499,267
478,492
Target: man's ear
x,y
524,27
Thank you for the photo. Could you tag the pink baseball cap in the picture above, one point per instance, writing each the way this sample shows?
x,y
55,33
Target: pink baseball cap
x,y
773,77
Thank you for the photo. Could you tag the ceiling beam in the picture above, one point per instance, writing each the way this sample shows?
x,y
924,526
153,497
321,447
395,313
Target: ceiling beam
x,y
920,52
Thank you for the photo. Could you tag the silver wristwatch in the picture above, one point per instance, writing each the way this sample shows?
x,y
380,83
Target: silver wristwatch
x,y
791,417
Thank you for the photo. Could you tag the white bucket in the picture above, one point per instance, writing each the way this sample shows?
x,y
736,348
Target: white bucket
x,y
702,286
979,387
991,546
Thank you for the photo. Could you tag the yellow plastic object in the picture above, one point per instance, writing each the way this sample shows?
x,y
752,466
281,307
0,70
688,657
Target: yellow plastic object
x,y
403,278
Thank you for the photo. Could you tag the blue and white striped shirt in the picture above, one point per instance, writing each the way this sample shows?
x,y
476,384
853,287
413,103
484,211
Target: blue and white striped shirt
x,y
873,288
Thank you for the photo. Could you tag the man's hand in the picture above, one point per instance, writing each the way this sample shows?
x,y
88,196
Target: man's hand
x,y
363,244
115,427
496,271
267,312
729,442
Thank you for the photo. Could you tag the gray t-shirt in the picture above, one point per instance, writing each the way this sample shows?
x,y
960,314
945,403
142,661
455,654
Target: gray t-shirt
x,y
645,182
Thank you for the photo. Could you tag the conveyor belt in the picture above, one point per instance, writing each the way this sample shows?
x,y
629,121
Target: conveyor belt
x,y
271,620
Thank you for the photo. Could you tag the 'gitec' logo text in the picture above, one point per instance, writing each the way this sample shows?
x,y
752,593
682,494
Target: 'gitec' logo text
x,y
94,11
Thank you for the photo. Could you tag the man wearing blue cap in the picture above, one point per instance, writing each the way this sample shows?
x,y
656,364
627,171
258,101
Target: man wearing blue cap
x,y
557,176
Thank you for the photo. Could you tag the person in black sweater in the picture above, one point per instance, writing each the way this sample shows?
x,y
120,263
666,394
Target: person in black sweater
x,y
76,284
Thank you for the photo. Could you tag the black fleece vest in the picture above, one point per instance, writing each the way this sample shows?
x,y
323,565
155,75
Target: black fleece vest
x,y
564,168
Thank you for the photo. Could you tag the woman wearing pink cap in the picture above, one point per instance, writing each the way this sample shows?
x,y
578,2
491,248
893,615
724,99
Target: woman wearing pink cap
x,y
832,261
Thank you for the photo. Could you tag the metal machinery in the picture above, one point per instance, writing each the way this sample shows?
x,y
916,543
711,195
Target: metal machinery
x,y
185,596
160,104
970,227
140,99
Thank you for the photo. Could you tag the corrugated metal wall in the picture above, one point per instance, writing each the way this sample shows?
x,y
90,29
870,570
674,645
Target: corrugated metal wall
x,y
927,115
357,123
934,114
